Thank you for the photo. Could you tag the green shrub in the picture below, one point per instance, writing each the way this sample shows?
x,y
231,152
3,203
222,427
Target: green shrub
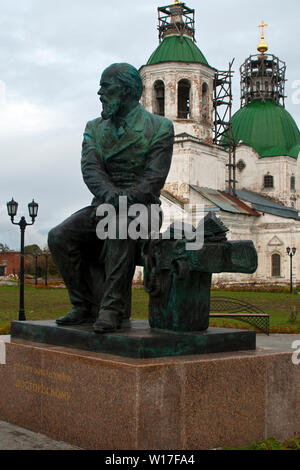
x,y
272,444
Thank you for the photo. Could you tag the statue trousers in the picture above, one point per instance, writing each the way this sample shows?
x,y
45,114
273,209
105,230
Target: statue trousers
x,y
98,273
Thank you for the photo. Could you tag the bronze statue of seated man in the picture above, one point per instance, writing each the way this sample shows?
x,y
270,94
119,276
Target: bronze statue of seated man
x,y
126,152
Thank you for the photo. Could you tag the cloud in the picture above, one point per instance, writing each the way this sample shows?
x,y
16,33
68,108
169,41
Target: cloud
x,y
24,117
44,56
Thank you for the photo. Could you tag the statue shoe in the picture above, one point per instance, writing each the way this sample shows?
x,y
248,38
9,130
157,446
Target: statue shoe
x,y
107,323
77,316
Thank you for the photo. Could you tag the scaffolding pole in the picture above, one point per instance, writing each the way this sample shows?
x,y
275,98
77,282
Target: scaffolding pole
x,y
223,134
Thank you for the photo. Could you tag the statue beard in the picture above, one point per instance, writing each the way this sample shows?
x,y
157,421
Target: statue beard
x,y
110,108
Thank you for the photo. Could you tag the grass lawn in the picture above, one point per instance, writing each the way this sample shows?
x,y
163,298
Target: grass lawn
x,y
47,304
272,444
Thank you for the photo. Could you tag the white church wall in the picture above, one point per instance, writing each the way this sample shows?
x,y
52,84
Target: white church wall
x,y
180,173
200,122
247,178
297,191
281,168
198,164
270,235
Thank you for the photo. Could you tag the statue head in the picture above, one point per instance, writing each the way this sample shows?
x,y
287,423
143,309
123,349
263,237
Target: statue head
x,y
120,90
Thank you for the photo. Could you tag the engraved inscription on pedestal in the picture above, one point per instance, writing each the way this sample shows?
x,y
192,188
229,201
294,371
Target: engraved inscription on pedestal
x,y
26,376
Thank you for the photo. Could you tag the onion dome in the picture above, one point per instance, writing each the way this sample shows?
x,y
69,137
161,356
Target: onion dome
x,y
177,49
268,128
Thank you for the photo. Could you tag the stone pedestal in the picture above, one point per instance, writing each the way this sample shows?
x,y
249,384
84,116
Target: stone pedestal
x,y
138,340
100,401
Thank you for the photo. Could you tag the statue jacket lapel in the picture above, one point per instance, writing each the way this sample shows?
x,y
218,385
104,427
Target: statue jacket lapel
x,y
111,145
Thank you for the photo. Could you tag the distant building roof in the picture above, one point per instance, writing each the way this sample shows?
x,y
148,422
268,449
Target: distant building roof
x,y
268,206
236,205
172,199
225,201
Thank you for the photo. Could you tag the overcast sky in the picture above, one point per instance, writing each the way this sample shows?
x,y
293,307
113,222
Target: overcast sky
x,y
51,57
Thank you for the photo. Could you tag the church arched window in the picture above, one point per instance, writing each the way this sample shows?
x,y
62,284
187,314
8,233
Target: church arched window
x,y
205,101
293,183
268,181
159,98
276,265
184,92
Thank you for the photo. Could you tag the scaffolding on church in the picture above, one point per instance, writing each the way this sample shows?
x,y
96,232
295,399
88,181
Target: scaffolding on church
x,y
223,135
263,77
176,17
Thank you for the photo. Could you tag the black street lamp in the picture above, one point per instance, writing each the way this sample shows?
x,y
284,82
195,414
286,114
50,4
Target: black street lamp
x,y
12,209
291,253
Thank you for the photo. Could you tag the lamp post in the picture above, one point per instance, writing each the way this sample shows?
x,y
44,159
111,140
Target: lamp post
x,y
12,209
291,253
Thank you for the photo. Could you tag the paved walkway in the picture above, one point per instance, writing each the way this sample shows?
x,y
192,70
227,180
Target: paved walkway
x,y
16,438
277,342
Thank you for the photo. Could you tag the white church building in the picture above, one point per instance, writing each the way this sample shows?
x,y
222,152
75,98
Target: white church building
x,y
250,174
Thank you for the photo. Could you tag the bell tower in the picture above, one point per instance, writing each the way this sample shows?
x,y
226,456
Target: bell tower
x,y
263,76
179,84
178,81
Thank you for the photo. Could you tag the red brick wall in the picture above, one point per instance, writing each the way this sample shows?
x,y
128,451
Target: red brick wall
x,y
12,262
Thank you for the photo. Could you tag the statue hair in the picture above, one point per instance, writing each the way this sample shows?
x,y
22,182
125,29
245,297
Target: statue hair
x,y
129,77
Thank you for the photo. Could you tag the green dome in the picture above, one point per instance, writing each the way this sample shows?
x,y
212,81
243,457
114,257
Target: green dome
x,y
173,49
268,128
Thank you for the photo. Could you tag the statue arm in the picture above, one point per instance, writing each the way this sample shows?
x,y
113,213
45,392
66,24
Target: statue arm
x,y
93,169
157,168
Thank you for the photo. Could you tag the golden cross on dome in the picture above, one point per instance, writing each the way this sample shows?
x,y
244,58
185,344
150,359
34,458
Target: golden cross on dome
x,y
262,46
262,26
